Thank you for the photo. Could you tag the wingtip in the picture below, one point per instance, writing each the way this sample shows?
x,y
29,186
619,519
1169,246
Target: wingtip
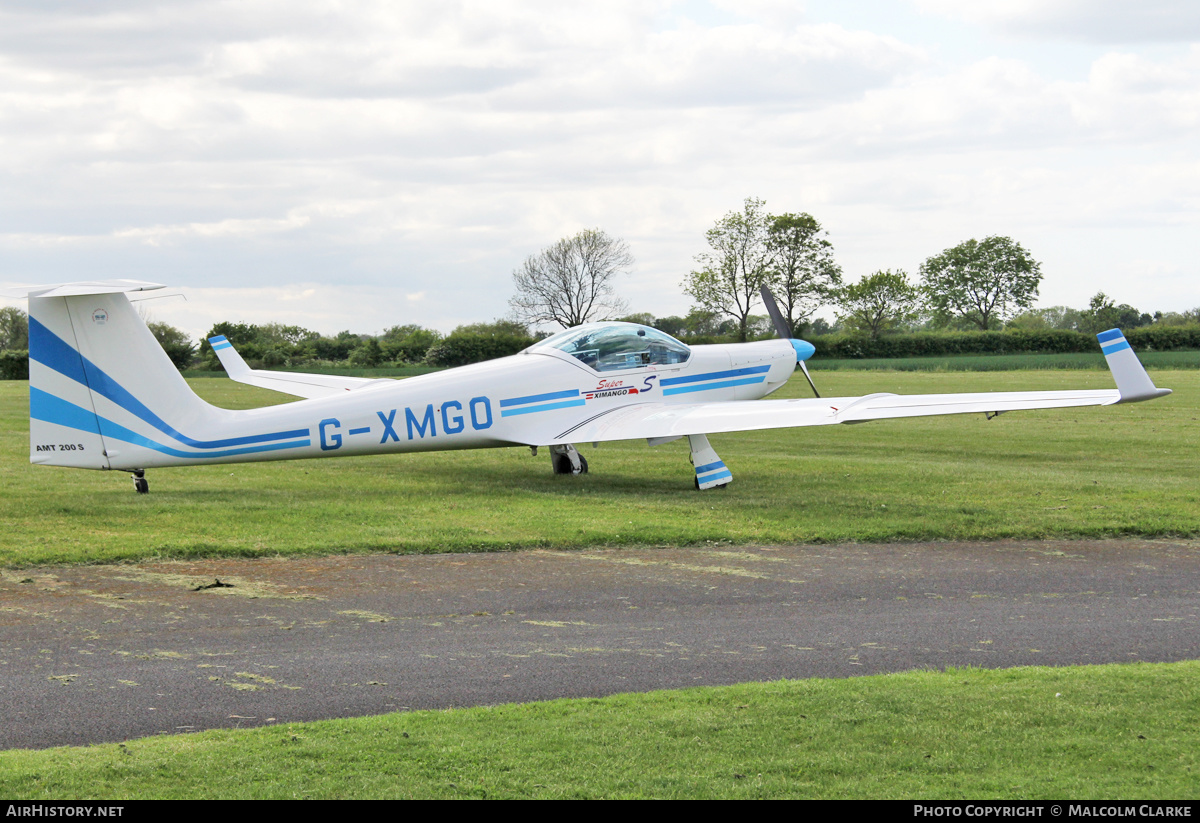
x,y
1128,372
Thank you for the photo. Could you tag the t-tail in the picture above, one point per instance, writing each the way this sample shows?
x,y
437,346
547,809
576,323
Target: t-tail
x,y
104,395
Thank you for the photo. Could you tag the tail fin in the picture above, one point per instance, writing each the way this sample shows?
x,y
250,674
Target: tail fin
x,y
93,366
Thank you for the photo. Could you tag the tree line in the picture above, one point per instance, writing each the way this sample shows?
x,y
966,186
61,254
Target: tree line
x,y
979,285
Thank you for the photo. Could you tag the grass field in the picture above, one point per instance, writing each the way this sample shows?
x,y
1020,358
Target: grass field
x,y
1067,473
1094,732
1101,732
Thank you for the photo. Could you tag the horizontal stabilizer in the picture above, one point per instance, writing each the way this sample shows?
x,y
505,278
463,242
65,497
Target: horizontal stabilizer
x,y
79,288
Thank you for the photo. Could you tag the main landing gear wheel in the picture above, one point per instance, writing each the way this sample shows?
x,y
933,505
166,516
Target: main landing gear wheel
x,y
562,465
140,484
566,459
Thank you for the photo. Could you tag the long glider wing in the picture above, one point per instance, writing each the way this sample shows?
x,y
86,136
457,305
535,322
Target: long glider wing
x,y
662,421
293,383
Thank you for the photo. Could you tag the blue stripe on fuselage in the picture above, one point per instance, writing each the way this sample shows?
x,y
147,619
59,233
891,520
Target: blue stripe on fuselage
x,y
715,375
537,398
545,407
51,350
46,407
719,385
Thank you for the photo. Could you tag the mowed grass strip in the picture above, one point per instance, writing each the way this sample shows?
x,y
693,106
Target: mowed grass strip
x,y
1100,732
1125,470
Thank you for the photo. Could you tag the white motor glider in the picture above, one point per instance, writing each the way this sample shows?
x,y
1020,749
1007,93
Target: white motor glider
x,y
104,395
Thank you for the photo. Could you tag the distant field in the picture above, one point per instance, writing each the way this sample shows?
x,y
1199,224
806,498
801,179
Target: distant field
x,y
1127,470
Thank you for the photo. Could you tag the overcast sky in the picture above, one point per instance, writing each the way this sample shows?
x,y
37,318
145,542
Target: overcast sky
x,y
355,164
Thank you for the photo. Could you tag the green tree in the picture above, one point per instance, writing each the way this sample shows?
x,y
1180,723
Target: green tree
x,y
270,345
1177,318
821,326
571,282
1055,317
368,355
738,265
408,343
805,273
495,329
178,346
982,282
878,303
700,323
1103,314
14,329
673,325
479,341
288,336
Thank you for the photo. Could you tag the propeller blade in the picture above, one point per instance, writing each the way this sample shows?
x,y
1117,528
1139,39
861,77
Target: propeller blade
x,y
784,332
804,369
781,326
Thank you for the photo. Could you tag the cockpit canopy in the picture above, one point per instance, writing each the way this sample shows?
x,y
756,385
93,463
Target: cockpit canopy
x,y
617,346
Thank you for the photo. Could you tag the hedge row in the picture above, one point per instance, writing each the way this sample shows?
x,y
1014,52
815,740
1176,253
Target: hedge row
x,y
932,344
462,348
14,365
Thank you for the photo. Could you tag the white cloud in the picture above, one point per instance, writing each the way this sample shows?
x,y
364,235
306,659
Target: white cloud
x,y
1097,21
347,149
222,228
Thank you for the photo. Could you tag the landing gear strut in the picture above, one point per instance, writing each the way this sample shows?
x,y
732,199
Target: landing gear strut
x,y
140,485
567,460
711,472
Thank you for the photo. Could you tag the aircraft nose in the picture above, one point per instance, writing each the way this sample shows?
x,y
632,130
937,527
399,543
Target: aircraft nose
x,y
804,349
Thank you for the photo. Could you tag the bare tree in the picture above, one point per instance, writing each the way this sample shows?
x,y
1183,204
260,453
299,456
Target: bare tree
x,y
571,282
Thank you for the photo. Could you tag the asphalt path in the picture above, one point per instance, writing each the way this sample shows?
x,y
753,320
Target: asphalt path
x,y
107,653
